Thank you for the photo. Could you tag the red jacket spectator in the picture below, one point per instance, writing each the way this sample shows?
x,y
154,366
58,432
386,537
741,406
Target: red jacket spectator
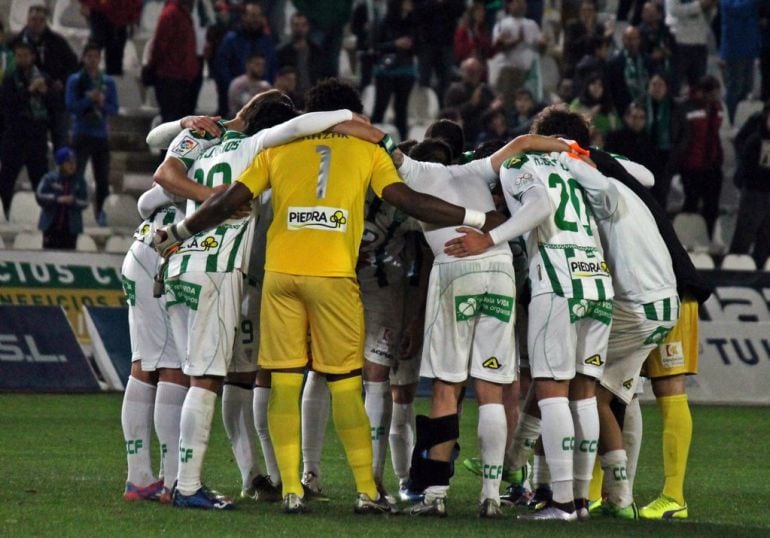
x,y
173,50
472,37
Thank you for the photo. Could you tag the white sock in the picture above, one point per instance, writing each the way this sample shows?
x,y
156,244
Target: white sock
x,y
492,433
558,434
168,410
136,418
523,442
585,417
238,419
261,397
379,408
632,438
194,430
402,439
315,415
615,482
541,474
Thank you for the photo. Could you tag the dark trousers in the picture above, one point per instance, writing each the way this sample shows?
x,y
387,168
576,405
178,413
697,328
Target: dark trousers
x,y
112,38
176,98
764,72
61,239
440,59
690,61
399,88
98,151
59,124
16,153
753,226
703,186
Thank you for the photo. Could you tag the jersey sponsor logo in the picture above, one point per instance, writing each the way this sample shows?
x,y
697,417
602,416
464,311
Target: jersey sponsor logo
x,y
594,360
492,363
587,263
586,308
186,293
199,244
671,355
185,146
489,304
317,218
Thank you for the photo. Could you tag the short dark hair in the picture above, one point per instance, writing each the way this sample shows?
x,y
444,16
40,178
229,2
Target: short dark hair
x,y
708,83
333,94
266,110
451,133
432,150
254,55
487,148
286,70
556,120
24,45
407,145
91,45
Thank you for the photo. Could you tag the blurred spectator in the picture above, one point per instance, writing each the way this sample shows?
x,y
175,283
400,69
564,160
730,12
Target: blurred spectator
x,y
657,41
519,41
6,55
634,7
91,98
596,104
626,71
525,108
365,20
593,64
245,86
435,24
580,36
495,126
700,150
250,37
664,125
203,16
632,140
394,72
109,22
174,61
62,196
54,57
286,81
301,54
225,16
689,22
738,49
25,104
472,37
753,178
471,96
764,52
327,22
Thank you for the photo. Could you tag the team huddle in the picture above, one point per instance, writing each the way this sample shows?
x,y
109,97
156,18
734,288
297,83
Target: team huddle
x,y
282,242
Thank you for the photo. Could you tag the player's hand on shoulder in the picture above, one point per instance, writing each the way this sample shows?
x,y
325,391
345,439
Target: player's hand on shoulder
x,y
203,124
471,242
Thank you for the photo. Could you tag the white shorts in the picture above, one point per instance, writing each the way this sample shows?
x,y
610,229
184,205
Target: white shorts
x,y
152,336
469,321
632,337
212,304
562,343
383,319
246,346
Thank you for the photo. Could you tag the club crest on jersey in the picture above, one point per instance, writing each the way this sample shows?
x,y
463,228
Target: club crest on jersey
x,y
185,146
492,363
317,218
198,244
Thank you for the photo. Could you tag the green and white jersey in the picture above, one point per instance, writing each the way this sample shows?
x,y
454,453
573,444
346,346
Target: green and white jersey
x,y
565,252
164,216
219,249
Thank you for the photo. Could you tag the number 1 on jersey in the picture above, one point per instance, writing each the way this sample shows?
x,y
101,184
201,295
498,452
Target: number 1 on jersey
x,y
323,170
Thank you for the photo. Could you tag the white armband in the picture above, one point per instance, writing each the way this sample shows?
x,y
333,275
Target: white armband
x,y
475,219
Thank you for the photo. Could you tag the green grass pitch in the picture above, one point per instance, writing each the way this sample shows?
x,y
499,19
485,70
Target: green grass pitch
x,y
62,468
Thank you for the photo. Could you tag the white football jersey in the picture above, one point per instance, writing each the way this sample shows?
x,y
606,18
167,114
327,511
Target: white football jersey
x,y
564,251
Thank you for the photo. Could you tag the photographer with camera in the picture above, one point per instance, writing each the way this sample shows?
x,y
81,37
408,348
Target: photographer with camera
x,y
91,97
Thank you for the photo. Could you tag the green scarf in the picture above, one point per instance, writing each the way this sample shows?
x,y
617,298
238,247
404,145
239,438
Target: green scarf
x,y
659,122
38,110
635,75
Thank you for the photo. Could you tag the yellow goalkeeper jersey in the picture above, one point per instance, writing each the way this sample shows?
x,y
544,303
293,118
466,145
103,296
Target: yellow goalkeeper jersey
x,y
319,186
